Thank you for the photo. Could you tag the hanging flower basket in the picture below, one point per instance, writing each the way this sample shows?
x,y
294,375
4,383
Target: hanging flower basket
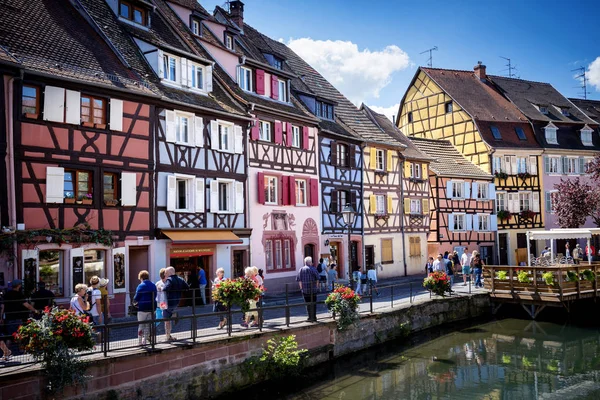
x,y
501,175
504,215
527,214
524,175
237,292
438,283
343,303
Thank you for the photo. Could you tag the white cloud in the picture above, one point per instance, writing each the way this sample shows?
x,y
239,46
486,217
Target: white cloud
x,y
358,74
389,112
593,73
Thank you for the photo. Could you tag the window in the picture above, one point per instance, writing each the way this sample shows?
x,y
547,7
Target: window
x,y
342,155
414,246
543,109
301,192
482,191
30,101
498,164
496,132
224,137
571,165
182,128
170,65
565,112
553,165
225,203
278,255
229,42
324,110
110,181
271,190
196,27
521,165
520,133
282,90
265,131
93,264
93,110
287,259
459,222
458,190
586,137
416,206
380,204
197,78
269,255
415,170
524,201
484,222
500,202
448,107
78,185
133,13
387,251
342,199
550,133
550,201
296,136
51,270
183,194
245,79
410,117
380,160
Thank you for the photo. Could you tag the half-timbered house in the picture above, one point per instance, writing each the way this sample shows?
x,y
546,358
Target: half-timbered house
x,y
199,141
462,202
78,127
489,131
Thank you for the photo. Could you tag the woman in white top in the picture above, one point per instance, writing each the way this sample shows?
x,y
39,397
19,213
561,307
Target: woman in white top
x,y
78,302
161,298
372,277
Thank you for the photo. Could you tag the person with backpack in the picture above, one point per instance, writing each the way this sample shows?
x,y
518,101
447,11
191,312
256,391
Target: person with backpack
x,y
449,269
322,270
174,287
477,268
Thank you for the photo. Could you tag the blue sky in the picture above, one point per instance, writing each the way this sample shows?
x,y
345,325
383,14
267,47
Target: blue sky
x,y
544,39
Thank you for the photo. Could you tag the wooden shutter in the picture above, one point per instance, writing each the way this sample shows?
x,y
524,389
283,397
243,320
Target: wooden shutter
x,y
351,155
372,204
513,165
199,195
289,186
424,171
55,184
513,202
208,82
548,204
238,135
255,131
278,132
198,131
128,189
333,203
214,135
475,222
170,126
390,204
491,191
333,152
449,190
372,158
467,188
284,190
314,192
469,222
186,72
535,200
450,222
274,87
354,201
305,138
260,187
546,164
289,134
390,160
116,115
160,64
406,206
407,169
425,208
582,165
171,193
475,190
54,104
493,222
73,107
214,196
533,165
260,82
239,197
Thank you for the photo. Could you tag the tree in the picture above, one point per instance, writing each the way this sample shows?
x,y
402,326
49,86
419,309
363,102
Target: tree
x,y
574,202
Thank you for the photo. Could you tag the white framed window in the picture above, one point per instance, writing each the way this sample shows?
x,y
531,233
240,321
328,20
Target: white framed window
x,y
170,68
501,202
483,222
342,155
183,128
458,190
296,136
379,160
498,164
554,166
301,192
196,76
543,109
482,191
245,79
379,204
282,85
415,170
229,42
416,206
269,254
225,196
265,131
343,198
572,165
225,136
271,190
196,27
586,137
524,201
550,132
184,195
459,222
521,165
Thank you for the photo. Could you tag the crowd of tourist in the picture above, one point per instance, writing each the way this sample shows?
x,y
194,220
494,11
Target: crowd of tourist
x,y
468,265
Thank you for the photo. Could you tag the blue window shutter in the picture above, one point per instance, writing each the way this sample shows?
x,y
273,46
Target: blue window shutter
x,y
450,222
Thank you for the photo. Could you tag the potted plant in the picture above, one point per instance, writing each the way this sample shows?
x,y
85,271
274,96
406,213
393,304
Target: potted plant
x,y
111,202
548,277
237,292
87,198
504,215
572,276
501,175
523,277
438,283
527,214
589,275
502,275
524,175
343,302
382,216
69,198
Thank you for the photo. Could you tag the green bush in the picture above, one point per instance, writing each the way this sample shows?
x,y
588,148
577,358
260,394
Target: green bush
x,y
523,277
280,358
502,275
548,278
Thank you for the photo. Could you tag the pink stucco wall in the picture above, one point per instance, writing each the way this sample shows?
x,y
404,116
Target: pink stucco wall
x,y
226,60
548,182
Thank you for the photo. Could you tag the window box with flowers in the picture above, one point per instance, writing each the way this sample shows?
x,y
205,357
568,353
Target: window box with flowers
x,y
527,214
501,175
69,198
380,173
86,199
524,175
416,180
381,216
111,202
504,215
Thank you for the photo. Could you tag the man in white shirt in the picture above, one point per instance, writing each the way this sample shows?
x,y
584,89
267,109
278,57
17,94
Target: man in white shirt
x,y
465,259
438,265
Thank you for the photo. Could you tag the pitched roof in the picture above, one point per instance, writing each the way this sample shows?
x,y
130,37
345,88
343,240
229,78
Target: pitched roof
x,y
527,95
591,108
447,160
44,37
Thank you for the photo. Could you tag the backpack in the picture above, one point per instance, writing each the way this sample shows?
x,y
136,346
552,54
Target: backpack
x,y
320,268
89,297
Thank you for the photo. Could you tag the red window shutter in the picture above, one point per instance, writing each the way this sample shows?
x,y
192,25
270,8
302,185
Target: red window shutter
x,y
285,190
314,192
305,137
260,81
254,132
261,188
278,132
292,191
288,132
274,87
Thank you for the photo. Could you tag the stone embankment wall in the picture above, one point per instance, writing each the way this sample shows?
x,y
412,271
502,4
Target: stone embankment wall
x,y
207,369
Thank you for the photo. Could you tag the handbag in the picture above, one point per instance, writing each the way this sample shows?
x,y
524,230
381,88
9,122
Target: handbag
x,y
159,314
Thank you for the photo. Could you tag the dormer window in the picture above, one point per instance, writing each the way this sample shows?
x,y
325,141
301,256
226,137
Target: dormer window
x,y
245,78
496,132
170,68
324,110
586,136
229,42
196,30
282,93
274,61
184,72
550,132
520,133
133,13
543,109
565,112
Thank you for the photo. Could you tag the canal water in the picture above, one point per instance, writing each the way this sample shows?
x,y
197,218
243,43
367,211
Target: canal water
x,y
507,359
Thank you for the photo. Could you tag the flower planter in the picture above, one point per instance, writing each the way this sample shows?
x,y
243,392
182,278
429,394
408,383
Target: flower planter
x,y
69,201
87,201
111,203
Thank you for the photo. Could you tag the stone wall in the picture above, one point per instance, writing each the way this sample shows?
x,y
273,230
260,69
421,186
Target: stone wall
x,y
207,369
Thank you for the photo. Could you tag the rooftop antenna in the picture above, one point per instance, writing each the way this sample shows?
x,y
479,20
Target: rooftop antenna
x,y
583,77
510,67
430,60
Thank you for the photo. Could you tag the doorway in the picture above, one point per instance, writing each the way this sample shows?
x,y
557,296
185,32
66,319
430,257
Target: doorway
x,y
335,249
522,243
238,263
503,248
188,269
354,256
309,251
369,256
138,261
487,254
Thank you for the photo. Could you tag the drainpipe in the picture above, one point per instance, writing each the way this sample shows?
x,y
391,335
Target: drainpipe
x,y
247,166
362,192
402,177
9,101
491,155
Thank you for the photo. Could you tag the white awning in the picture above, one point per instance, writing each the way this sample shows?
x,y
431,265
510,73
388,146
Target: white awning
x,y
560,234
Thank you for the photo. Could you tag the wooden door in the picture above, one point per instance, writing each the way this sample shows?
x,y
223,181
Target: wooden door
x,y
369,256
415,256
503,248
238,263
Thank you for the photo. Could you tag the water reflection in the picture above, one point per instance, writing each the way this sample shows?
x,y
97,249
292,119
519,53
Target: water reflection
x,y
509,359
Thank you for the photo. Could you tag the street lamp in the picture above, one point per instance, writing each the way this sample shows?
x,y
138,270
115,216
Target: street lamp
x,y
349,214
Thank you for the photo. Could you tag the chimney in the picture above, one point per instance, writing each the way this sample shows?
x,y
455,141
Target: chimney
x,y
236,12
480,71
